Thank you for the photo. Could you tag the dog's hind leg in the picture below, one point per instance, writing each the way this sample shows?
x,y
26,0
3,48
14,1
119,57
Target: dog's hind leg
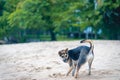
x,y
90,60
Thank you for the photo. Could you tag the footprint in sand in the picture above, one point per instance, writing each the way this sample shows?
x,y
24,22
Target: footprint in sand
x,y
56,62
48,68
54,75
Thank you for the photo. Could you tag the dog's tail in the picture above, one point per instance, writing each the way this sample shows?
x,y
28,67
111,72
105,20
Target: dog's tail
x,y
91,44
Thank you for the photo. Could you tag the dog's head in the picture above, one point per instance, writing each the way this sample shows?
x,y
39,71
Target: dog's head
x,y
63,54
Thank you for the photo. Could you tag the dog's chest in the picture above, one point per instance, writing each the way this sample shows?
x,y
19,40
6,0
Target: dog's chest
x,y
75,62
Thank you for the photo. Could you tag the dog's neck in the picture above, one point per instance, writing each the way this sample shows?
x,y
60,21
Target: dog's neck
x,y
68,58
70,61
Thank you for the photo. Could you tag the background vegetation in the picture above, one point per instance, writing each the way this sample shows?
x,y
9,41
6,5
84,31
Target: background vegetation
x,y
39,20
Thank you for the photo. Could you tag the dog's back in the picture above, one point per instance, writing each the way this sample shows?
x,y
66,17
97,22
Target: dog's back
x,y
81,51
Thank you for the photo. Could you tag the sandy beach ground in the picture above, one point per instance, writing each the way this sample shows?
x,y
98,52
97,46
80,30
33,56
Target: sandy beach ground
x,y
40,61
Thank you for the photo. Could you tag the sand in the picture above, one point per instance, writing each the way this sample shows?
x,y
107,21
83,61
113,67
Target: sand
x,y
40,61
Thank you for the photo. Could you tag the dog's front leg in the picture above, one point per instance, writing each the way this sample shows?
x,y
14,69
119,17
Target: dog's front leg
x,y
74,69
69,71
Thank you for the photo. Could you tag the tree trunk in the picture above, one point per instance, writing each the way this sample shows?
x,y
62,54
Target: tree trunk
x,y
53,35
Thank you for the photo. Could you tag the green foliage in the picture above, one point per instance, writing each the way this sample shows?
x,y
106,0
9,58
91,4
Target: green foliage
x,y
3,24
110,12
27,15
10,5
57,15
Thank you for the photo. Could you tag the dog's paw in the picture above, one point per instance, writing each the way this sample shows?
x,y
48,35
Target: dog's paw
x,y
75,76
89,73
67,74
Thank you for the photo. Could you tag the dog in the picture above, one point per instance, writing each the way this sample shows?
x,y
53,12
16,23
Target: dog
x,y
77,57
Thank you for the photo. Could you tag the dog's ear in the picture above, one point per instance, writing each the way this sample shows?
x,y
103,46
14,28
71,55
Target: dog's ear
x,y
66,49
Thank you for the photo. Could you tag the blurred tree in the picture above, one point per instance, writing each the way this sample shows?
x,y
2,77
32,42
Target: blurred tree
x,y
6,8
2,31
104,15
100,14
2,2
41,14
110,11
57,15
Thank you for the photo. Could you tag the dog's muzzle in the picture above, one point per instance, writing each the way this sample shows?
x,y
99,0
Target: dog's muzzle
x,y
65,60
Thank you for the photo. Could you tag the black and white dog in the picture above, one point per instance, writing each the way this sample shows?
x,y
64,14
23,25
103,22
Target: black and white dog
x,y
77,57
